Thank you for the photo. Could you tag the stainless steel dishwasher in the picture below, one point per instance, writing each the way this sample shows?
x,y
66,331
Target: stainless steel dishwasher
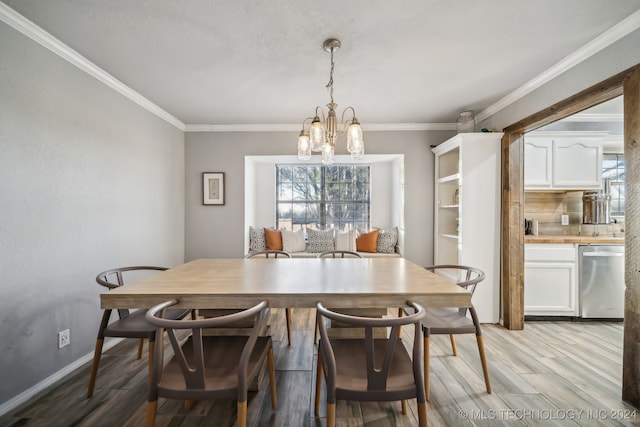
x,y
601,282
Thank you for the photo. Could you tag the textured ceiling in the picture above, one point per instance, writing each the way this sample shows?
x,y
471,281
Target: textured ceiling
x,y
262,62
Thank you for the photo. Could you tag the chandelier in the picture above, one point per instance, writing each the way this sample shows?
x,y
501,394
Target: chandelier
x,y
323,133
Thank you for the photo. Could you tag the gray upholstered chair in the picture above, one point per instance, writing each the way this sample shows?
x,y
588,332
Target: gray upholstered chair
x,y
130,324
452,321
370,369
208,367
276,254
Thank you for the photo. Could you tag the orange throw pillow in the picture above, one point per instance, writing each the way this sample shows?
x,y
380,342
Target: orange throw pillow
x,y
273,239
368,242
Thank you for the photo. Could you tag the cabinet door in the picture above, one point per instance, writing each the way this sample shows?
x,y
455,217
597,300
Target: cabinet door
x,y
550,289
577,163
537,163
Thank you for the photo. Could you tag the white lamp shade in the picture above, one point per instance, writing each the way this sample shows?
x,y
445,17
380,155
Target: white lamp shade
x,y
317,136
355,142
304,147
328,152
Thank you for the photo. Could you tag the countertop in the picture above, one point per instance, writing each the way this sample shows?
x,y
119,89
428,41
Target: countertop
x,y
566,238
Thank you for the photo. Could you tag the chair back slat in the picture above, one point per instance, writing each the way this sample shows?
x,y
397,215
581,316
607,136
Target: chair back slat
x,y
378,373
192,370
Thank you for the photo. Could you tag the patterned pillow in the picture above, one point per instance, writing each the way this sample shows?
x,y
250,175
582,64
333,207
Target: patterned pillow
x,y
387,240
257,242
319,241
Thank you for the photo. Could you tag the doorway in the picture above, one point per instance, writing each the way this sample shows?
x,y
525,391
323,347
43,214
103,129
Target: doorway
x,y
574,197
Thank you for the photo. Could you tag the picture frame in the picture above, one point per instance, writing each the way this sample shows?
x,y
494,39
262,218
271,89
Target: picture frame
x,y
213,188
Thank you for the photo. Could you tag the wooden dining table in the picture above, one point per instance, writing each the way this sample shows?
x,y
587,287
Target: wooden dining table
x,y
295,283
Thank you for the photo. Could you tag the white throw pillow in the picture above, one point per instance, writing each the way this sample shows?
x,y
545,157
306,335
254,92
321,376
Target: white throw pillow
x,y
346,240
293,241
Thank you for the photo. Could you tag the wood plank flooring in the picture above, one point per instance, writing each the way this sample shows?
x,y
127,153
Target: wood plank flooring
x,y
551,373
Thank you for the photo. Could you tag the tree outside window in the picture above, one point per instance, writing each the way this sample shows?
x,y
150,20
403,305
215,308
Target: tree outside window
x,y
322,197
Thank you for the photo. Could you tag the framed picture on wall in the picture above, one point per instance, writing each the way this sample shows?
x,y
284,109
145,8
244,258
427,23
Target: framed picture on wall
x,y
213,188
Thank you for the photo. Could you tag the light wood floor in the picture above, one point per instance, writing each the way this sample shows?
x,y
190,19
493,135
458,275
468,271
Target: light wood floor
x,y
552,373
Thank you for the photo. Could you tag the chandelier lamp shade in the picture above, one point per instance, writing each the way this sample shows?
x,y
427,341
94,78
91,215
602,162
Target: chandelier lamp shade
x,y
324,130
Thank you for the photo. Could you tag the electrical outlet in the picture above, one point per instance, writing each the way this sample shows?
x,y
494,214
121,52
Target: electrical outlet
x,y
64,338
564,219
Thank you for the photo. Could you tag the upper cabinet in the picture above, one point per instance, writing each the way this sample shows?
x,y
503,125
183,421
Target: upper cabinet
x,y
563,161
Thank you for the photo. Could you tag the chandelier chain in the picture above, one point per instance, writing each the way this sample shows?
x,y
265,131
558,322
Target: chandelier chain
x,y
323,133
330,84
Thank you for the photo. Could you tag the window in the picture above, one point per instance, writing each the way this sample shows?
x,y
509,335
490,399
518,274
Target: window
x,y
613,170
322,197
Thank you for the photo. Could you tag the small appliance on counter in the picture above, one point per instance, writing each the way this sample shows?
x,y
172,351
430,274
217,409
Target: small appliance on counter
x,y
596,205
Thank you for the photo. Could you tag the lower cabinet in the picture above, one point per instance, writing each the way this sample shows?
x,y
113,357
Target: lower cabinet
x,y
550,280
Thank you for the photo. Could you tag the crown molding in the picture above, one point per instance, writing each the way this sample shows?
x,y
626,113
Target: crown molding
x,y
39,35
370,127
612,35
242,128
42,37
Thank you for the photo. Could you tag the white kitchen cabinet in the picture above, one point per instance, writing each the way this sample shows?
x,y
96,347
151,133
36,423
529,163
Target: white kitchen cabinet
x,y
467,212
564,161
550,280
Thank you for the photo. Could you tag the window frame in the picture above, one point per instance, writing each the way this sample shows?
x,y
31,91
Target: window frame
x,y
321,197
616,182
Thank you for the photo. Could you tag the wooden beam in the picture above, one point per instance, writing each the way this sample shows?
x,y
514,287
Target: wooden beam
x,y
631,352
512,244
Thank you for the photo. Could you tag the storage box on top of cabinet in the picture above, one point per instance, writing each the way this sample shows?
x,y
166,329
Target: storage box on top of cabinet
x,y
467,212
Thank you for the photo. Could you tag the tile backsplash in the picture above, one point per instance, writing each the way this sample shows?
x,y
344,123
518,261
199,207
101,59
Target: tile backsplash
x,y
548,207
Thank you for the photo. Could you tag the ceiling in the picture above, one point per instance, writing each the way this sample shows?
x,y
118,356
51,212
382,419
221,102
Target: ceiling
x,y
254,62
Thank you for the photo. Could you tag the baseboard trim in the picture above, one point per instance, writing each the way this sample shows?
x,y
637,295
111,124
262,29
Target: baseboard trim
x,y
52,379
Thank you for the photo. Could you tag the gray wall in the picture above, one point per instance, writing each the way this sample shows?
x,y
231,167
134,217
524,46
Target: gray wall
x,y
218,231
89,181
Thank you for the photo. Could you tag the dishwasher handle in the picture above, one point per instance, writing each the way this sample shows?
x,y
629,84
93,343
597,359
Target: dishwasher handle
x,y
603,254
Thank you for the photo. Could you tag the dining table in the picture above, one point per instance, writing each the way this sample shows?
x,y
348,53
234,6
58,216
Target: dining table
x,y
290,282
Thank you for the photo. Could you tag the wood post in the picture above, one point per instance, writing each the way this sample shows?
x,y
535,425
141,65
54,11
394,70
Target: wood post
x,y
512,265
631,351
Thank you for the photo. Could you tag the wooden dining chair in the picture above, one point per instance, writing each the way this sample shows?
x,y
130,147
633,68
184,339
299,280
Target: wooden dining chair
x,y
453,320
269,253
276,254
337,254
369,368
130,324
206,367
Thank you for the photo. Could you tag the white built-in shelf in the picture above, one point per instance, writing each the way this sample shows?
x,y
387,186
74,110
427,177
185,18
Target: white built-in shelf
x,y
467,212
449,178
450,236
